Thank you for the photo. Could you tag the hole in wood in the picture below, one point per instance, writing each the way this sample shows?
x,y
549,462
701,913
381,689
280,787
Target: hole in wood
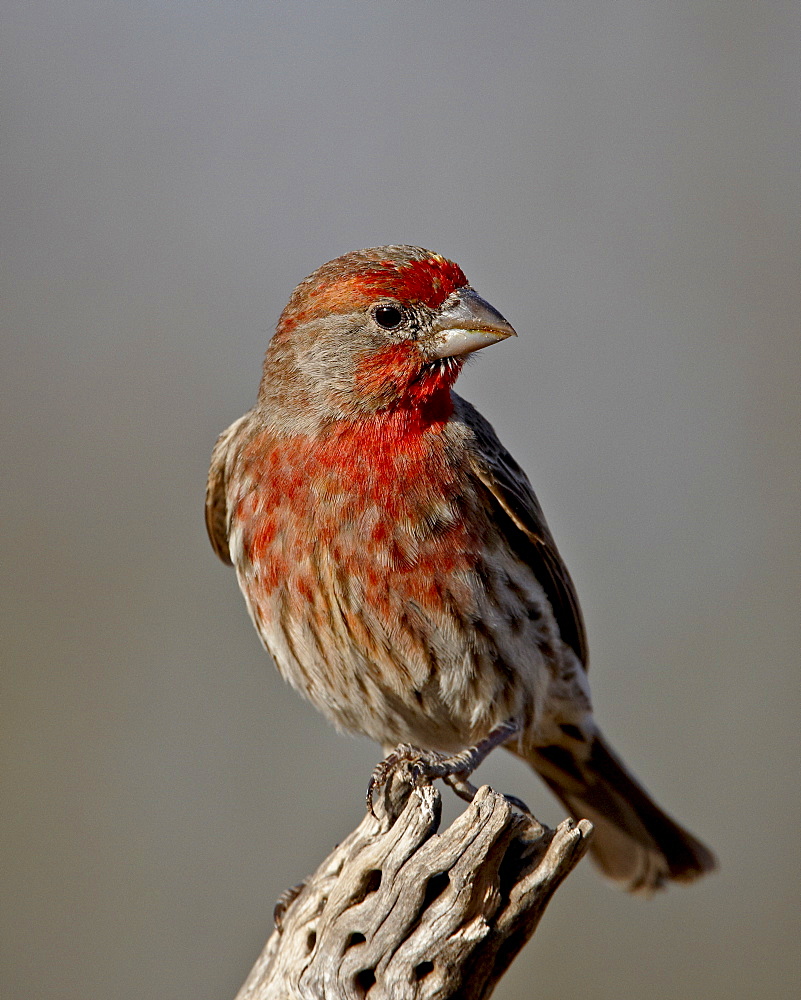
x,y
354,939
510,868
370,884
422,970
311,941
365,980
437,884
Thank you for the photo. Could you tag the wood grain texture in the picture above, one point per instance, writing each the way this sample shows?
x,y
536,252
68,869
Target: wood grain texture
x,y
399,910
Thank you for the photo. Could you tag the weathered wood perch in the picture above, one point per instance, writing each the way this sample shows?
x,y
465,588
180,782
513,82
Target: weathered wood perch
x,y
399,911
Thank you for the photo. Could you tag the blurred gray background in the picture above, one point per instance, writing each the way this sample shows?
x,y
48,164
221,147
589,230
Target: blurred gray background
x,y
621,180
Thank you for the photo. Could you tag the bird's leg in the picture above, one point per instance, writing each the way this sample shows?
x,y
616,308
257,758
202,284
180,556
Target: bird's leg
x,y
466,761
430,764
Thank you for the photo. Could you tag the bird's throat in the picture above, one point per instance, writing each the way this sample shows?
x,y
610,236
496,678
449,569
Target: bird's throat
x,y
397,386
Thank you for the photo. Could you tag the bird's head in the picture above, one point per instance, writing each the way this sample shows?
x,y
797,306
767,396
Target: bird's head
x,y
373,330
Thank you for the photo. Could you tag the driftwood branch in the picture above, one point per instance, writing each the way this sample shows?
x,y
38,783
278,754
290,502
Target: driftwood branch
x,y
401,911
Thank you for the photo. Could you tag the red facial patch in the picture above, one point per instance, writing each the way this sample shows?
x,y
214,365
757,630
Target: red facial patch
x,y
388,368
395,376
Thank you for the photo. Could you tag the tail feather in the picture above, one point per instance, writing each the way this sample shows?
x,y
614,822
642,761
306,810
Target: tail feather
x,y
635,843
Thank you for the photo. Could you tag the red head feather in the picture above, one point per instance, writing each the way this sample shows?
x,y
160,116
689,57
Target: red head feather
x,y
408,274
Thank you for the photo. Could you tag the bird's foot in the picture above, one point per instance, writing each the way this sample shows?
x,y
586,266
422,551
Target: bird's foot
x,y
284,901
420,765
427,765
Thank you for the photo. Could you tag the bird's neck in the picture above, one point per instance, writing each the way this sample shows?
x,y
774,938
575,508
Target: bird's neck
x,y
391,433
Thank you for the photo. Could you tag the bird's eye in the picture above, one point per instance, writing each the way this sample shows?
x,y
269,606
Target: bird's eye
x,y
388,317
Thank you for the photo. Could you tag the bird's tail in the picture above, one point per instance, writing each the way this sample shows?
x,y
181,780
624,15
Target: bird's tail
x,y
635,843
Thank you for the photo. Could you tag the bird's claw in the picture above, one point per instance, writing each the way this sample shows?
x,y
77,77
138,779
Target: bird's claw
x,y
519,804
421,765
284,901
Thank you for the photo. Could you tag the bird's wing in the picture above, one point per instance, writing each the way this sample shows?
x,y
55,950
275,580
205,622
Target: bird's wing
x,y
223,456
519,516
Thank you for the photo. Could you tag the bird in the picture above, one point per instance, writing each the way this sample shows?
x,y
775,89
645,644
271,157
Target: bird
x,y
396,562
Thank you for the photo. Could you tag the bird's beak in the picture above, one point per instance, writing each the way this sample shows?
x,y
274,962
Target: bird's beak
x,y
466,323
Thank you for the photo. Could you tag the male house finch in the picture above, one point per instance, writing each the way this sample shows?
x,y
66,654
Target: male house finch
x,y
395,560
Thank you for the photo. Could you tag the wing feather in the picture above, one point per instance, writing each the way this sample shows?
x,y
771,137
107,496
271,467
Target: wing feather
x,y
519,514
223,456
